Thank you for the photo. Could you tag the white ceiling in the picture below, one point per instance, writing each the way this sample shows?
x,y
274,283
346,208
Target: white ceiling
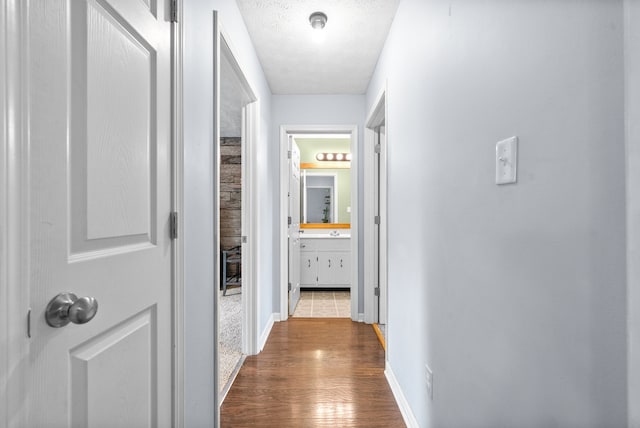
x,y
232,99
294,63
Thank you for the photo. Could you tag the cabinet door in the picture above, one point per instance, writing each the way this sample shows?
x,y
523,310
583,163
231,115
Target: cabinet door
x,y
341,268
326,268
308,268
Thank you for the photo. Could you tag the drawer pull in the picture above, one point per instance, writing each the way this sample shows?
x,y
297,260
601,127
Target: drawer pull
x,y
341,263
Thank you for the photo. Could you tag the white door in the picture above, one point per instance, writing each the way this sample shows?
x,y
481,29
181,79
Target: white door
x,y
294,225
99,199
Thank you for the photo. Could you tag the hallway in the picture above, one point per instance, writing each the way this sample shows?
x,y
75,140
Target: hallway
x,y
322,372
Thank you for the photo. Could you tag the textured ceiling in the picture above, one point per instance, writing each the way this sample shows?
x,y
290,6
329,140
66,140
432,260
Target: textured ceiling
x,y
232,99
295,63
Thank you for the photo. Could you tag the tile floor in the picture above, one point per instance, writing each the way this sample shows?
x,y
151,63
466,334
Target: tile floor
x,y
324,304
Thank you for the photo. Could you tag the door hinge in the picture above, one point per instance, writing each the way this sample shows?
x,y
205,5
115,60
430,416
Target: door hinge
x,y
289,287
289,220
289,154
377,148
173,225
174,10
376,291
244,239
29,323
376,220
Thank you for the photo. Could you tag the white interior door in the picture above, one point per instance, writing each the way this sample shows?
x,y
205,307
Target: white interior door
x,y
294,226
99,200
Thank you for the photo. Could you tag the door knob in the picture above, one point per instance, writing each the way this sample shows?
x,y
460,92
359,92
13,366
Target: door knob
x,y
67,307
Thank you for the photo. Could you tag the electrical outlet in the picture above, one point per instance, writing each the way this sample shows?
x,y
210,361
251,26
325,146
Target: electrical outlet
x,y
429,381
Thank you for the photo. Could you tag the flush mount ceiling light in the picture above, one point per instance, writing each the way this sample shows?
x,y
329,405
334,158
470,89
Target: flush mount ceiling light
x,y
318,20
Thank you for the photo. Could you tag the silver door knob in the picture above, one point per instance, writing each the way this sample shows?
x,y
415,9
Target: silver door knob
x,y
67,307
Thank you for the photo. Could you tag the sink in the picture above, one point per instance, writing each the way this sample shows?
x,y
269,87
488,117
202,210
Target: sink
x,y
325,235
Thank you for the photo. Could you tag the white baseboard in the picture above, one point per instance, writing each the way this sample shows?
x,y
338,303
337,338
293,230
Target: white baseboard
x,y
265,333
403,404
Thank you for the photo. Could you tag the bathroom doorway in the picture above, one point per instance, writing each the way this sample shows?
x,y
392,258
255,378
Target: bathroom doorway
x,y
327,238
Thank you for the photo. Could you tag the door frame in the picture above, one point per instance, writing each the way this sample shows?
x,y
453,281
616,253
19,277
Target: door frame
x,y
14,297
249,137
285,131
376,117
177,204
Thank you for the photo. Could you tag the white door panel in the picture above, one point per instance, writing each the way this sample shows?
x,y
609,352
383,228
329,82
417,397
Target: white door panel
x,y
294,227
99,202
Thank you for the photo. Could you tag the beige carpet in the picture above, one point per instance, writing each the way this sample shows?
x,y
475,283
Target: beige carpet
x,y
229,335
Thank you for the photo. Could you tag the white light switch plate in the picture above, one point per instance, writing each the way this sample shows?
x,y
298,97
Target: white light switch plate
x,y
506,160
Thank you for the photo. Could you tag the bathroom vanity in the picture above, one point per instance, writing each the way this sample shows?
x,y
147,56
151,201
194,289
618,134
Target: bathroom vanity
x,y
325,258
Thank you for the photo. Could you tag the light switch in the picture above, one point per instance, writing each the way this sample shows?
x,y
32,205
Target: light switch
x,y
506,160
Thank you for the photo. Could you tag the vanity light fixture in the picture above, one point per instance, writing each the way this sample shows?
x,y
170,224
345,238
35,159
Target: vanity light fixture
x,y
318,20
333,157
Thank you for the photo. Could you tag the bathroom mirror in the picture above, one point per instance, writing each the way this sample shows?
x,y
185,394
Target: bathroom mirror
x,y
319,203
325,186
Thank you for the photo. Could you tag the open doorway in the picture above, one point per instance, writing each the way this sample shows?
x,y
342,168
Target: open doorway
x,y
236,250
375,219
319,195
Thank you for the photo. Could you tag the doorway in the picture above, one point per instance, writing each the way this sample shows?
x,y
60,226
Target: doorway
x,y
320,266
375,218
235,215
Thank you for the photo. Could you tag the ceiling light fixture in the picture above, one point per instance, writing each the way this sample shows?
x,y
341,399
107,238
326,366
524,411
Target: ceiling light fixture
x,y
318,20
333,157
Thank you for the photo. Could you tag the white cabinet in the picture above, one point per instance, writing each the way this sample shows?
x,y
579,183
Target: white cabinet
x,y
308,268
325,262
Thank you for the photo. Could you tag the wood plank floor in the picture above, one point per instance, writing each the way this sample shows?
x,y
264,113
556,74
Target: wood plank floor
x,y
314,372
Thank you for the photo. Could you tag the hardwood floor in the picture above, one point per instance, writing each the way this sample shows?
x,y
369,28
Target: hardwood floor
x,y
314,372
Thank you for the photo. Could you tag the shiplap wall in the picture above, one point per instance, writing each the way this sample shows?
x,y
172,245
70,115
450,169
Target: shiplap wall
x,y
230,191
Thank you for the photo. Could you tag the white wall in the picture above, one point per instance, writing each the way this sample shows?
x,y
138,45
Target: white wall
x,y
514,295
199,171
632,94
313,110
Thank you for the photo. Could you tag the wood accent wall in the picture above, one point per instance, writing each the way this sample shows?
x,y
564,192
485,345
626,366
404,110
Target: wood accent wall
x,y
230,192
